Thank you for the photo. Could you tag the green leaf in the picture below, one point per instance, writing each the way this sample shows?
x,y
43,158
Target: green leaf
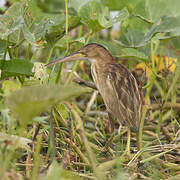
x,y
115,4
96,16
56,172
131,52
29,102
77,4
152,11
15,67
122,15
12,22
10,26
57,31
40,29
9,86
169,25
131,38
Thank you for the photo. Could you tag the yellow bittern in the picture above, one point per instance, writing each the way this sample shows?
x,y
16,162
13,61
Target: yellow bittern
x,y
114,81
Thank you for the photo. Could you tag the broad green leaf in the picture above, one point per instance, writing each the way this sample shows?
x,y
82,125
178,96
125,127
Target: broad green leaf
x,y
57,31
11,22
29,102
15,10
90,14
152,11
122,15
131,52
170,26
96,16
131,38
15,67
148,10
10,26
40,29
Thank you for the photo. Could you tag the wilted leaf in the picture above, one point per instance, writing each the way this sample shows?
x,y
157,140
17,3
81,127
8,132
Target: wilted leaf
x,y
40,73
29,102
15,141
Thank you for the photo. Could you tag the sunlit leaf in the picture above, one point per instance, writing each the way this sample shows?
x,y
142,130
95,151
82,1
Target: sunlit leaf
x,y
55,171
9,86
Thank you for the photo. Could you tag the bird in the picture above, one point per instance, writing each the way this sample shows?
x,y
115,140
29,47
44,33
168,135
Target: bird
x,y
115,83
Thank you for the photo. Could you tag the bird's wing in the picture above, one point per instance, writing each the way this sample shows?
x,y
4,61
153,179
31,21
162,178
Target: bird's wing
x,y
126,92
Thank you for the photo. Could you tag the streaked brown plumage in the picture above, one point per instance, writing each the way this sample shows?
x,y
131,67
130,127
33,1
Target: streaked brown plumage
x,y
116,84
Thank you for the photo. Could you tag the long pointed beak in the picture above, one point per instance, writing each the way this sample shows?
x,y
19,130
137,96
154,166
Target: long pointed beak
x,y
71,57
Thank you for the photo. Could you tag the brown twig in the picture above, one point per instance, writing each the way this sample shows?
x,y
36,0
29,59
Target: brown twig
x,y
80,81
29,157
53,134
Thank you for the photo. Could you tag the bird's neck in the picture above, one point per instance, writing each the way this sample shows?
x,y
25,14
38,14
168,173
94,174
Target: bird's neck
x,y
98,72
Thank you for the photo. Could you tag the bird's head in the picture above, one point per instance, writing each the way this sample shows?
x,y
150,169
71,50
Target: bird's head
x,y
92,52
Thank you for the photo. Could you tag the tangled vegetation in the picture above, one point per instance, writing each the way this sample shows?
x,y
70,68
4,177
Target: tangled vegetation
x,y
54,127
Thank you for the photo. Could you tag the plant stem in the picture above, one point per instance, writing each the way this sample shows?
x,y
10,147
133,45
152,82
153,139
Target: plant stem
x,y
67,42
27,57
36,158
50,54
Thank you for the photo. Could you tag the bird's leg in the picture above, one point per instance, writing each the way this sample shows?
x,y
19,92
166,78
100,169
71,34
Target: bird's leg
x,y
128,144
111,123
